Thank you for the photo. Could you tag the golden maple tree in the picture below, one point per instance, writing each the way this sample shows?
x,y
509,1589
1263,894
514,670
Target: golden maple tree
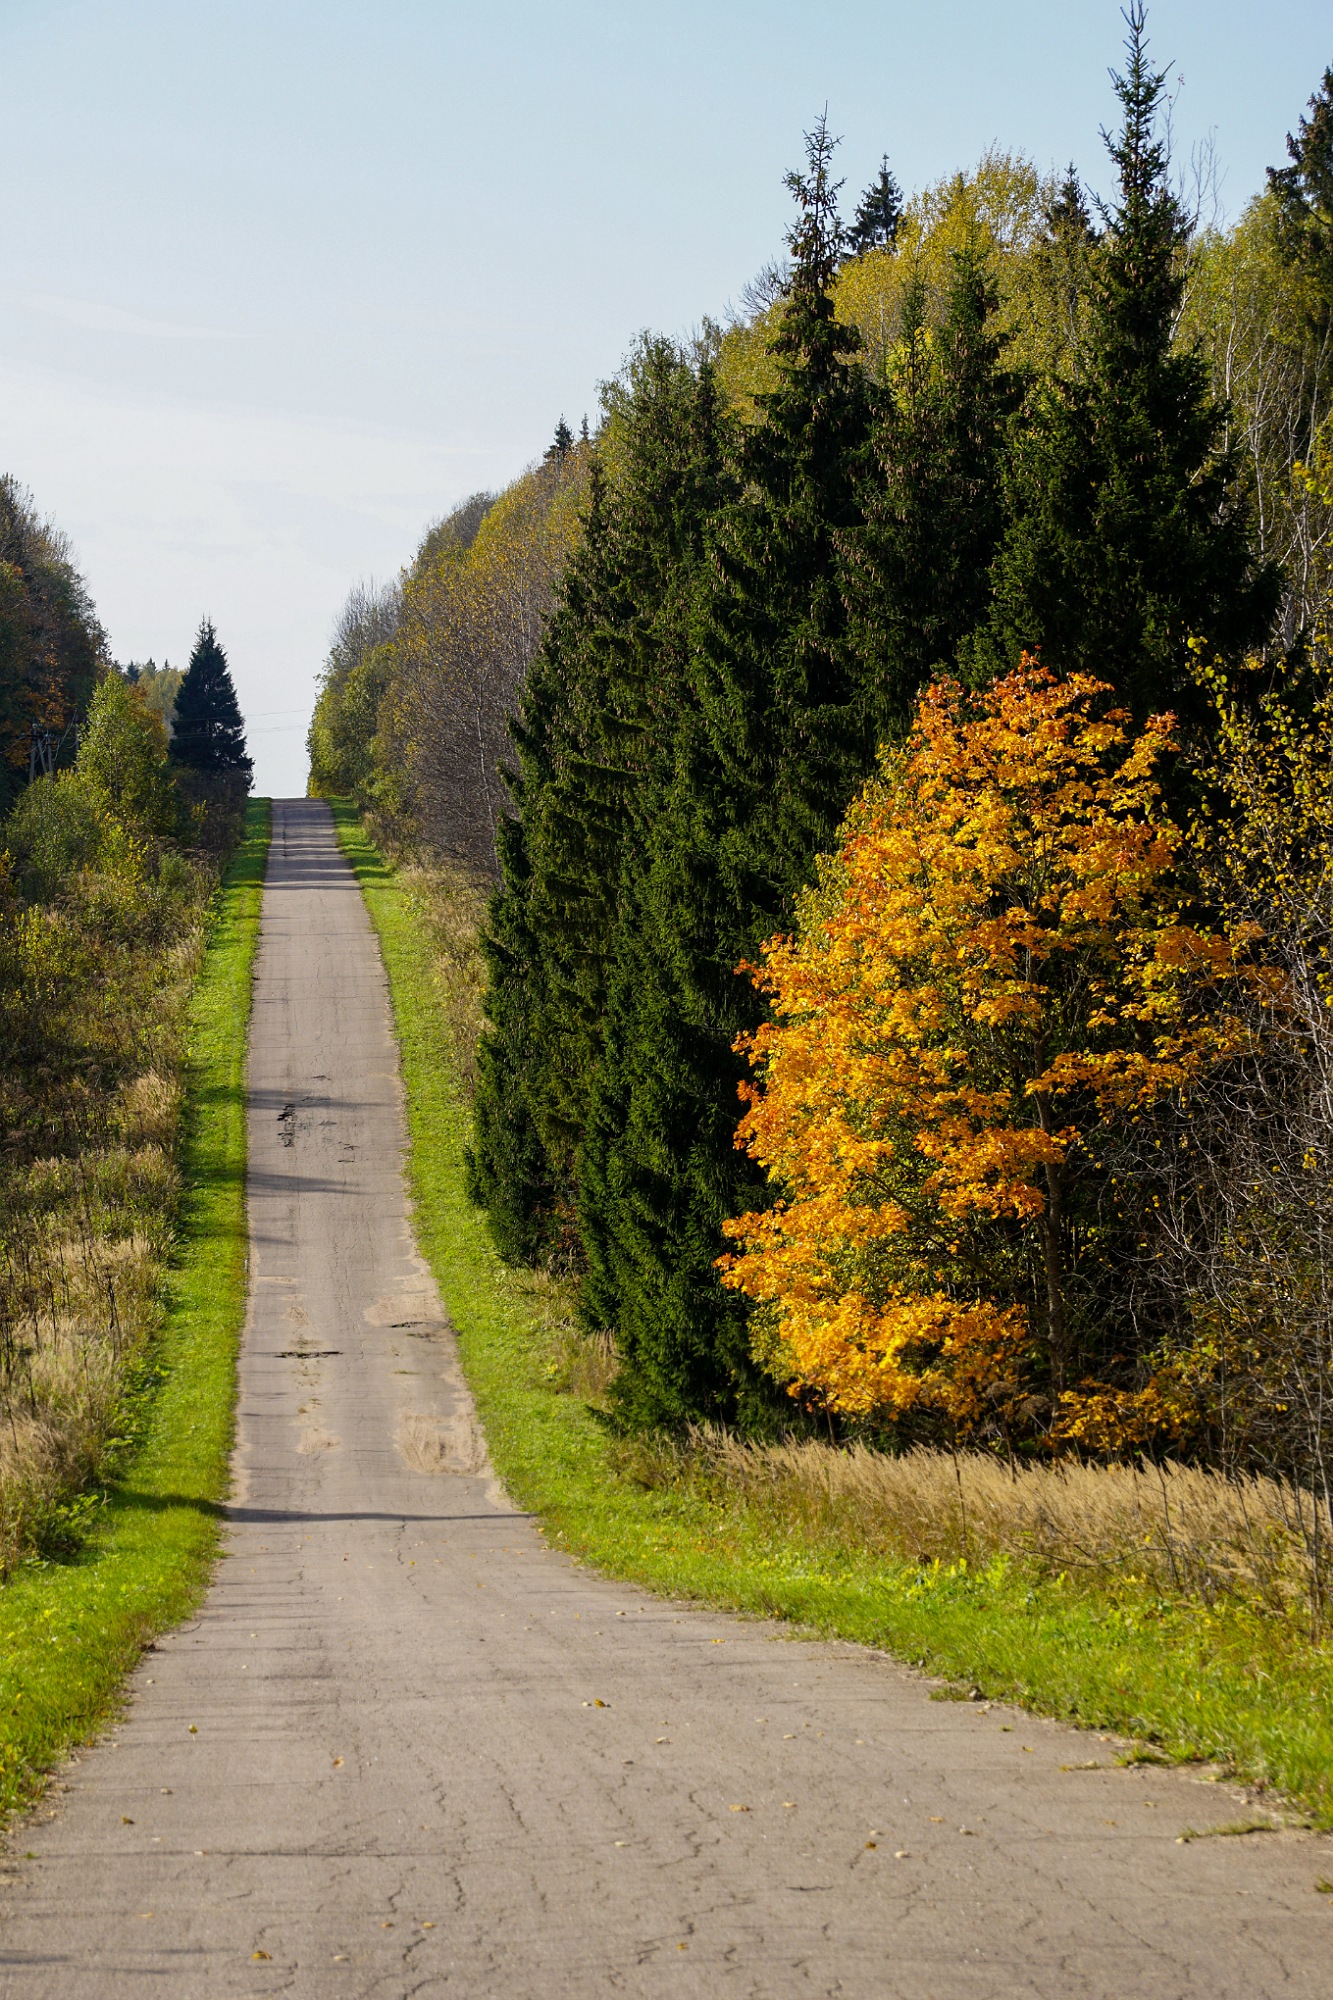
x,y
994,962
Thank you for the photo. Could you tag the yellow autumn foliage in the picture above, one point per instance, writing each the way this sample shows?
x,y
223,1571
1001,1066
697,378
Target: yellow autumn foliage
x,y
994,961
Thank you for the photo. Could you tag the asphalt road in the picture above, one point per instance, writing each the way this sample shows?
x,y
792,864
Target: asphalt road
x,y
408,1750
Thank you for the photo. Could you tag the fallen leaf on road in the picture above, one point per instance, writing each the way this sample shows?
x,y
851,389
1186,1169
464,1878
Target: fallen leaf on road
x,y
738,1809
336,1762
125,1821
790,1804
872,1843
194,1729
901,1854
261,1954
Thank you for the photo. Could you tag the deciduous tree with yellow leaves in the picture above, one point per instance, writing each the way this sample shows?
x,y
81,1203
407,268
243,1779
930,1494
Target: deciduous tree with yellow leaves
x,y
996,968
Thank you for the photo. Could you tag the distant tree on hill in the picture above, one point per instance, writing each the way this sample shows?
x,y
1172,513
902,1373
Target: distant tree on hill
x,y
562,443
879,215
209,734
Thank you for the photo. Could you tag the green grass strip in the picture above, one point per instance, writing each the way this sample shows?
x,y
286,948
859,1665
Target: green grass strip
x,y
70,1631
1229,1684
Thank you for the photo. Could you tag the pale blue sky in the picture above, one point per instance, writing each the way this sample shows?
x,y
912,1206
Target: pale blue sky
x,y
283,281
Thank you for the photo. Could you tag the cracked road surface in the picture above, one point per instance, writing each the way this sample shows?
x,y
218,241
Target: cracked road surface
x,y
407,1749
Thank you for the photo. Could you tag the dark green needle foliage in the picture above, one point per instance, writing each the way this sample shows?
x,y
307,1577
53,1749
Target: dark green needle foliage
x,y
208,734
1128,536
595,735
770,749
521,1166
932,496
879,215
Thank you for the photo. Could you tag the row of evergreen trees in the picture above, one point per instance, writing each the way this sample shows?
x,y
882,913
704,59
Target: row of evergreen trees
x,y
752,611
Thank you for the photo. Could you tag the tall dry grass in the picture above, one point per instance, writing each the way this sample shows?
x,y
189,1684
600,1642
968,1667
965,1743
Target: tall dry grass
x,y
1182,1529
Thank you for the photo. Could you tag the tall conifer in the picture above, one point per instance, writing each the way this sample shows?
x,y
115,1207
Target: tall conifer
x,y
1128,534
917,569
879,215
207,732
767,756
595,733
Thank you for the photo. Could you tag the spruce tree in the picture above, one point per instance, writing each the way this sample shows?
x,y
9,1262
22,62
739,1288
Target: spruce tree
x,y
932,498
768,753
509,1173
1127,535
879,215
595,730
207,733
520,1168
776,672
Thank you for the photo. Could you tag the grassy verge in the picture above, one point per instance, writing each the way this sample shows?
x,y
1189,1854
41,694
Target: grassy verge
x,y
1228,1683
69,1631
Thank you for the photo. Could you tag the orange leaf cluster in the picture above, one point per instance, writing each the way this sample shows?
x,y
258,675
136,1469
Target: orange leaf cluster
x,y
993,961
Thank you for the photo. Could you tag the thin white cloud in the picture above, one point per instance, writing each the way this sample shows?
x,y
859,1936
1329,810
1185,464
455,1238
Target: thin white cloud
x,y
98,317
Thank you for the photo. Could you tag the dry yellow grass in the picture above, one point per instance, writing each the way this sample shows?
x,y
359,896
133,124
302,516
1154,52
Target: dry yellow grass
x,y
150,1110
1184,1529
56,1417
